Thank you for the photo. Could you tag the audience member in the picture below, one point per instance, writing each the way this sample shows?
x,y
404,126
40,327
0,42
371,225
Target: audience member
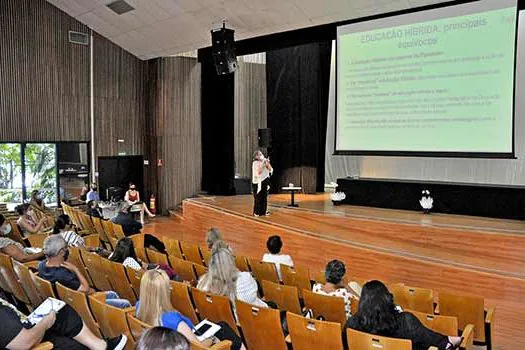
x,y
64,329
162,338
14,249
92,195
83,192
124,218
125,254
94,210
64,228
274,245
36,201
56,268
132,197
334,286
155,309
223,278
26,220
378,315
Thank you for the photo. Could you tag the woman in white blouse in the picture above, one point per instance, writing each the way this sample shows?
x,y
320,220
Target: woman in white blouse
x,y
125,254
223,278
274,245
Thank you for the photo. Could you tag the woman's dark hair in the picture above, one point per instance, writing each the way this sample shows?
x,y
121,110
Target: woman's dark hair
x,y
274,244
61,223
90,204
124,249
377,312
162,338
131,184
335,271
21,209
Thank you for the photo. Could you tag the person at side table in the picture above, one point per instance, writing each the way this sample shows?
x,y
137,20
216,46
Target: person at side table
x,y
94,210
93,194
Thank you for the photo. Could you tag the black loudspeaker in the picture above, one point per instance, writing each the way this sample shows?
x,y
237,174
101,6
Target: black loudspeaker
x,y
265,138
223,49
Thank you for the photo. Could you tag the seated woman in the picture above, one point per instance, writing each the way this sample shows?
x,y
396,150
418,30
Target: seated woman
x,y
26,221
64,329
155,309
274,245
334,286
36,201
162,338
124,254
14,249
56,268
132,197
223,278
214,237
378,315
64,228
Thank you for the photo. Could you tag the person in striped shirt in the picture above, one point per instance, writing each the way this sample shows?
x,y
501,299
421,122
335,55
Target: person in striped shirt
x,y
64,228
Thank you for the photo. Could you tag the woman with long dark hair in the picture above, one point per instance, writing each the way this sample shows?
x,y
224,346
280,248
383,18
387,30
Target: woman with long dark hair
x,y
124,254
379,315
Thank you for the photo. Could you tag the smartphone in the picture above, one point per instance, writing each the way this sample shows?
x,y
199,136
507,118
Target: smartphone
x,y
202,329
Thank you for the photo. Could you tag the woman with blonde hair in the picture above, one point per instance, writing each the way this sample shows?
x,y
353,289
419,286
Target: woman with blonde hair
x,y
224,278
155,309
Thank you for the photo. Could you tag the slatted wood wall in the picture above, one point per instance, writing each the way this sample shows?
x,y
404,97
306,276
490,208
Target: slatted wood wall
x,y
44,79
250,112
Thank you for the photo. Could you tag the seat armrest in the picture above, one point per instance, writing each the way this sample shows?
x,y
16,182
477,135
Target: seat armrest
x,y
489,315
43,346
468,338
32,264
432,348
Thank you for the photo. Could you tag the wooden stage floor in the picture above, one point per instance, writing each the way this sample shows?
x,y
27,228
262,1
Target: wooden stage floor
x,y
470,255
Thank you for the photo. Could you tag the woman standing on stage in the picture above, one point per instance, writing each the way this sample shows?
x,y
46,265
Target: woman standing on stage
x,y
132,197
261,171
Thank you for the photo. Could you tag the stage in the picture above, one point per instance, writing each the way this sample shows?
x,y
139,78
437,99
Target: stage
x,y
471,255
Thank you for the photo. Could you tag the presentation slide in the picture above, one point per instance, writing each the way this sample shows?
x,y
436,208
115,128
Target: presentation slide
x,y
435,81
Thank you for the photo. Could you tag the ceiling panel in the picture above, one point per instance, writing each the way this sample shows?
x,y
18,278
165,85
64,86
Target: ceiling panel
x,y
167,27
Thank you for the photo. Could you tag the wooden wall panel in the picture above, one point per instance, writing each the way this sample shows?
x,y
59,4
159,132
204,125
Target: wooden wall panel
x,y
250,112
44,79
176,124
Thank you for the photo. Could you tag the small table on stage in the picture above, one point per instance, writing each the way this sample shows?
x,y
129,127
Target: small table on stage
x,y
292,190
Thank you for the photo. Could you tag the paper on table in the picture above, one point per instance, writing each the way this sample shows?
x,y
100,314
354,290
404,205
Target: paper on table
x,y
43,309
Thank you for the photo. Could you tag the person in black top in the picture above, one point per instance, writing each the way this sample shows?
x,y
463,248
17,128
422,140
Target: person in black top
x,y
379,315
65,329
94,210
124,218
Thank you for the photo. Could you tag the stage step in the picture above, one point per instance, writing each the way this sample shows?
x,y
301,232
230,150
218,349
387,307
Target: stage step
x,y
177,213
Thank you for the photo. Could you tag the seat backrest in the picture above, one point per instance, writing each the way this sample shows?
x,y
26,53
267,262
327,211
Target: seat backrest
x,y
215,308
79,302
37,240
261,327
110,231
447,325
183,268
76,259
141,254
329,307
263,271
99,227
44,287
298,276
111,320
118,231
136,326
156,257
242,263
467,309
223,345
307,334
286,297
92,240
200,270
206,256
11,279
24,277
365,341
417,299
95,269
116,273
16,234
134,277
191,252
173,247
181,300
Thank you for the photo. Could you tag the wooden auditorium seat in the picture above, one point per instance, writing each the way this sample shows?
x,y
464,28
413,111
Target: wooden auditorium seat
x,y
37,240
76,259
173,247
141,254
329,307
10,280
183,268
95,269
24,277
297,276
191,252
470,310
92,240
417,299
99,227
155,257
215,308
263,271
134,277
116,273
261,327
79,302
308,334
242,263
136,326
118,230
365,341
206,256
223,345
44,287
286,297
181,301
200,270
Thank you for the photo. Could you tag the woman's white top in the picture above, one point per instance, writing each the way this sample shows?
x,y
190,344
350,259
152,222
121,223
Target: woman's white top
x,y
278,259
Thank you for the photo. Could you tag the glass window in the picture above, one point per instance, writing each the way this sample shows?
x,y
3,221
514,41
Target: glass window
x,y
41,171
10,174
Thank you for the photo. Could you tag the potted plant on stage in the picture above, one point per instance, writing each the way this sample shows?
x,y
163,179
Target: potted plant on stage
x,y
338,197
